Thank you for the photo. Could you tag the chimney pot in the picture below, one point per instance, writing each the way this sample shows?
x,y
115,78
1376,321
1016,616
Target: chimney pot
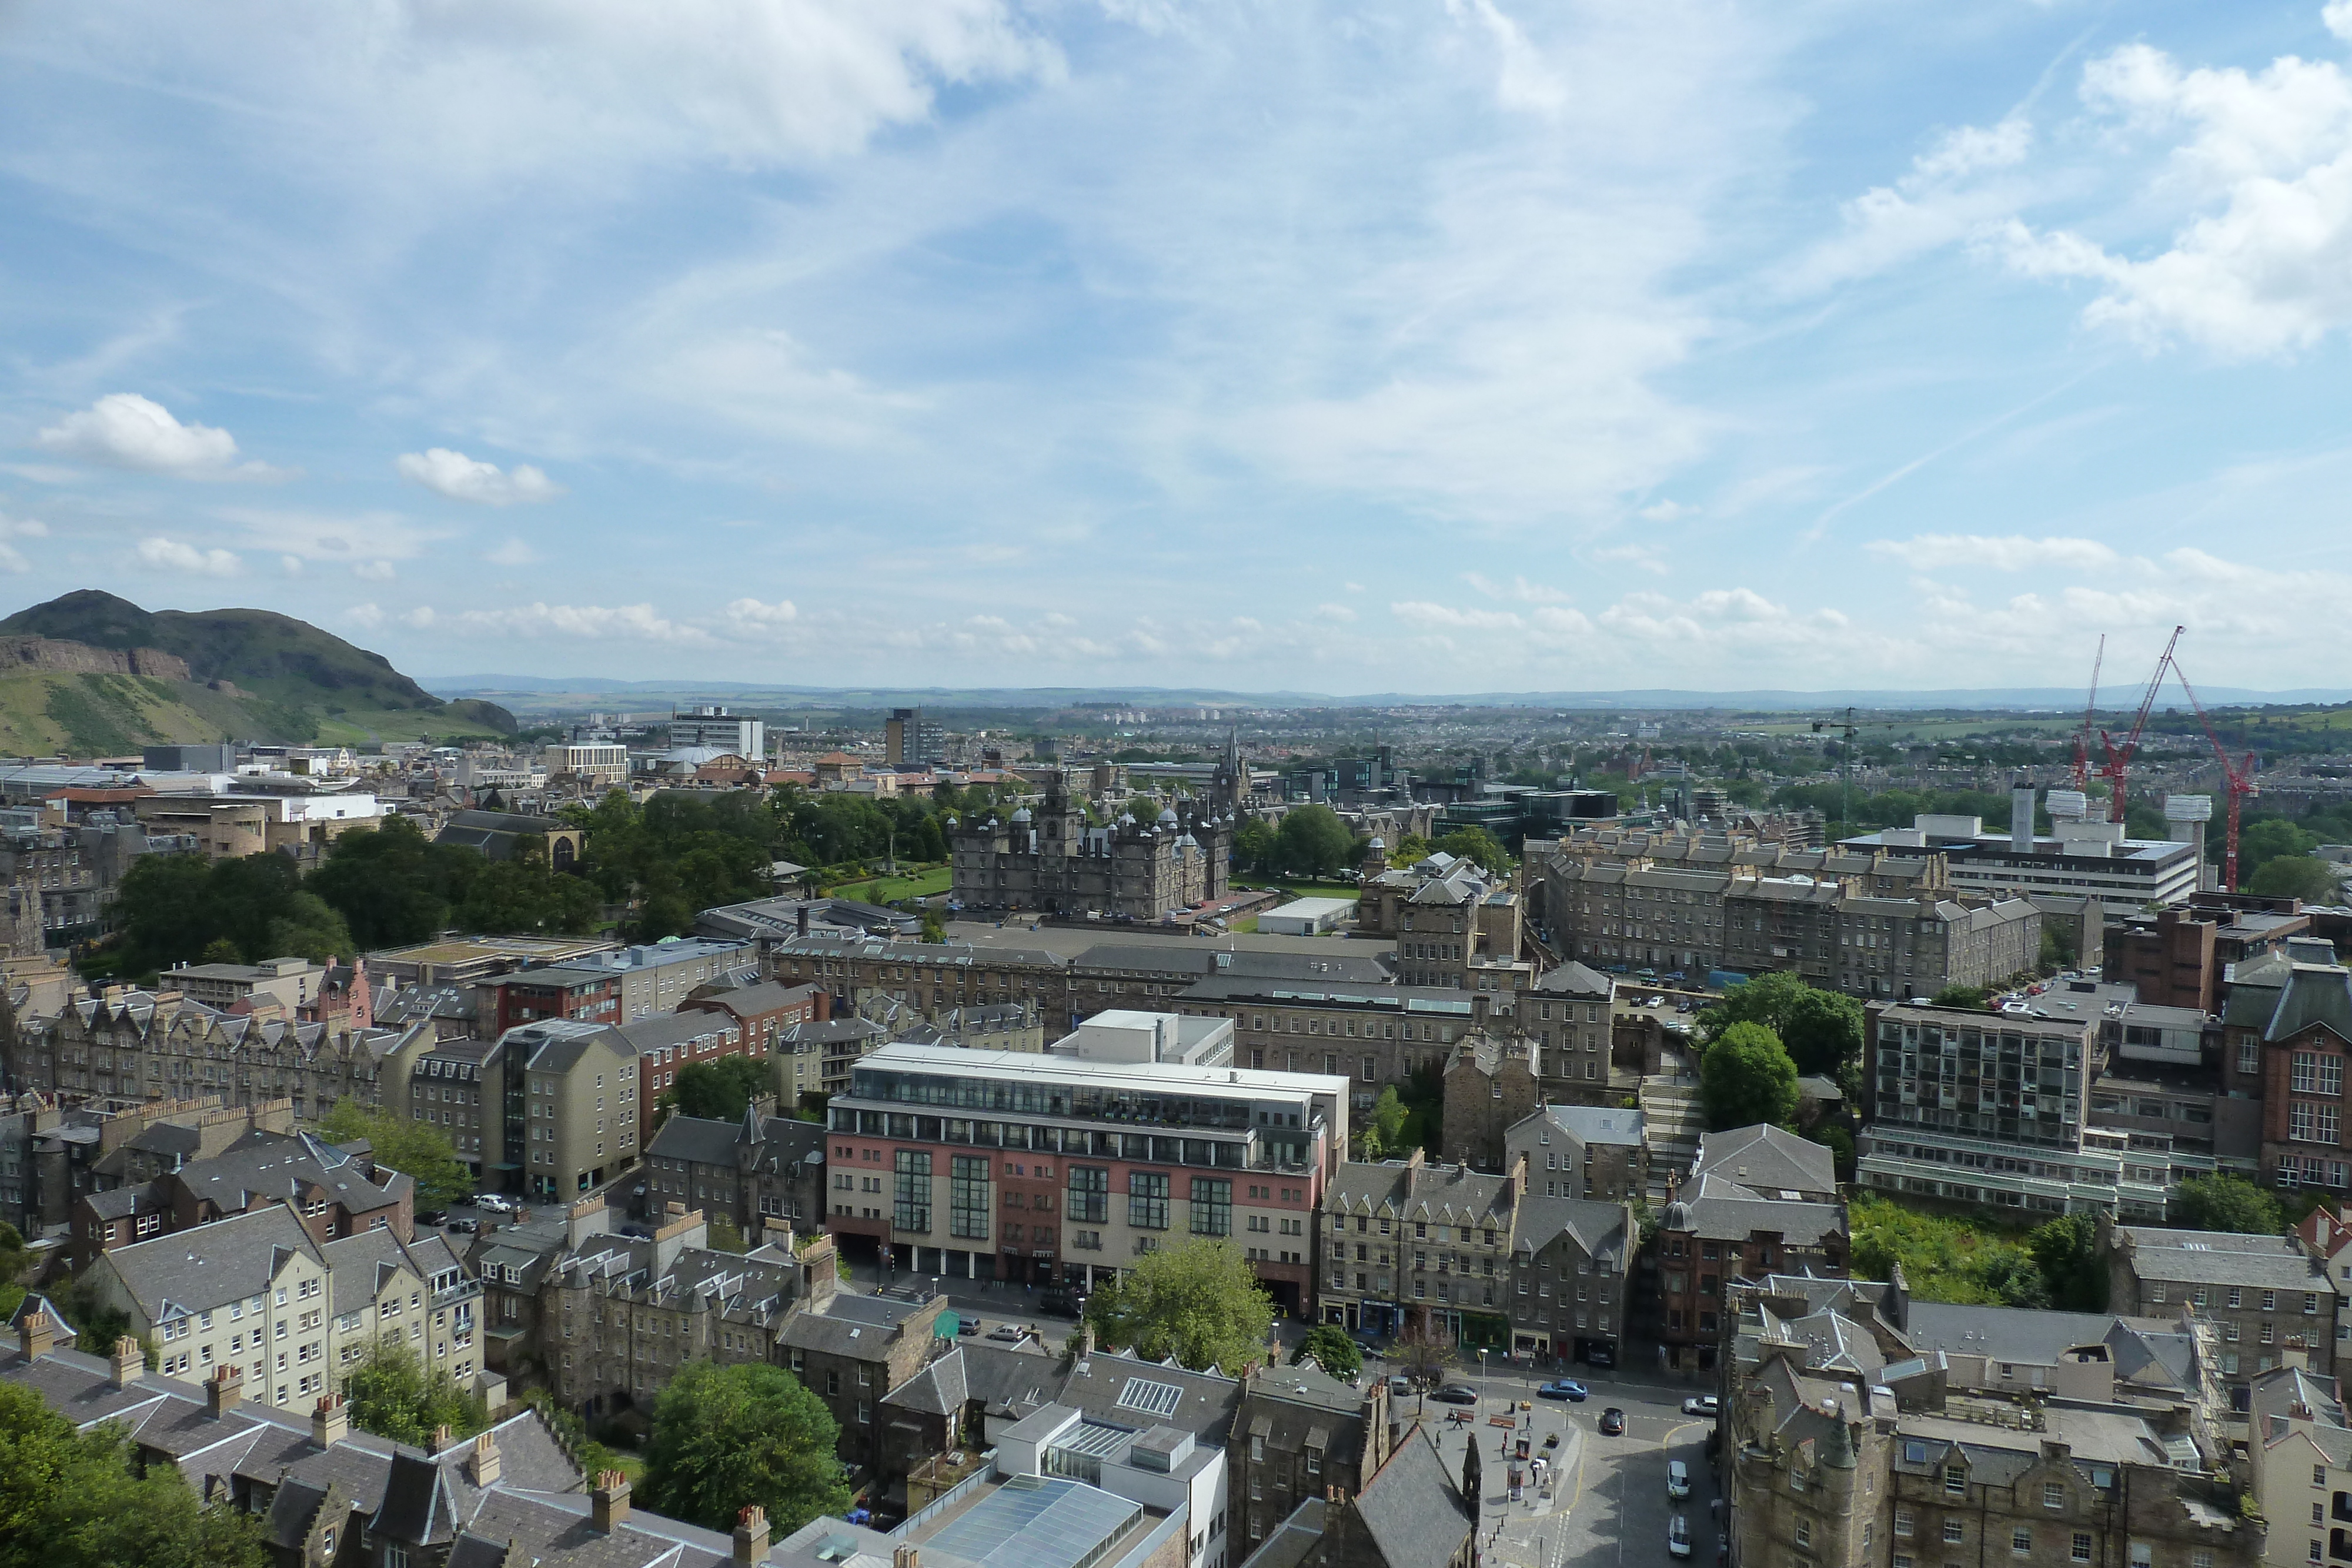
x,y
484,1466
907,1557
37,1334
330,1422
440,1438
223,1391
751,1535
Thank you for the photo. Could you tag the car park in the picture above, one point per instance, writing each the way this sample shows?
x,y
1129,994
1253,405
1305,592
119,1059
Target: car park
x,y
1455,1393
1658,1002
1700,1404
1677,1480
1678,1536
1564,1388
1613,1422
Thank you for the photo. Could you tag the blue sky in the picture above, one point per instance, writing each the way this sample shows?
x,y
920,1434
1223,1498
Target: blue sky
x,y
1440,345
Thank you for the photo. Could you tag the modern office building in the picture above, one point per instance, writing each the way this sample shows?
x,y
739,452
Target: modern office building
x,y
1131,1133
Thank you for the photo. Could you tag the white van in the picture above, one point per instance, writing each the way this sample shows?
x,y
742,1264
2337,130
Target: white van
x,y
1677,1480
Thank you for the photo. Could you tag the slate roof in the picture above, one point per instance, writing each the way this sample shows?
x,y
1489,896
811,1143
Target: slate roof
x,y
1099,1386
1201,962
2317,994
665,1030
852,1325
212,1265
1713,1208
1412,1509
1575,979
2219,1258
1596,1228
699,1140
1448,1195
1767,1159
1606,1126
2014,1334
293,1168
939,1389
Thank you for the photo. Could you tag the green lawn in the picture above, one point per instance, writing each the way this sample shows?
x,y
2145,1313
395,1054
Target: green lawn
x,y
889,889
1299,889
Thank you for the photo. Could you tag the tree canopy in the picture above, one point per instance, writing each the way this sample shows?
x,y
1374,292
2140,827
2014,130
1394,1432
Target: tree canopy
x,y
72,1498
1198,1301
1478,846
1328,1347
1314,842
1746,1077
418,1150
745,1433
719,1091
1958,996
2306,877
394,1395
2226,1202
1821,1030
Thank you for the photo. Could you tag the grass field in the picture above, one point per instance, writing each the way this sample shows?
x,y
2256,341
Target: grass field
x,y
888,889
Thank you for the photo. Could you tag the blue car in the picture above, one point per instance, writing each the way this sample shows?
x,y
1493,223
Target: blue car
x,y
1566,1388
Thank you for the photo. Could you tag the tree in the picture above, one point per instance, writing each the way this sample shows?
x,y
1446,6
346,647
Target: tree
x,y
1313,840
2225,1202
2066,1250
310,930
1958,996
1478,846
1822,1030
1409,851
1423,1358
719,1091
14,1257
747,1433
1328,1346
1254,845
1198,1301
394,1397
2266,839
1839,1144
72,1498
2306,877
1389,1116
1746,1077
415,1149
935,930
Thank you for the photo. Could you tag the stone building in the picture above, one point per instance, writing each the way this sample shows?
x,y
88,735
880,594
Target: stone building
x,y
336,1191
1760,1201
1412,1515
135,1045
1455,924
932,977
1571,1279
1492,1085
579,1088
851,1351
1300,1434
765,1172
1582,1151
1051,860
1370,1032
1406,1243
2268,1297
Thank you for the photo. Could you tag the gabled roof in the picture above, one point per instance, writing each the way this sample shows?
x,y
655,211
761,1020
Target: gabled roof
x,y
1767,1159
1412,1511
212,1265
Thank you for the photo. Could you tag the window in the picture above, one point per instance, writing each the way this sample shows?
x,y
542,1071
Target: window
x,y
2054,1495
1212,1206
911,1202
2081,1551
1956,1480
1147,1200
968,1195
2143,1555
1954,1532
1089,1190
2021,1541
1902,1522
1804,1533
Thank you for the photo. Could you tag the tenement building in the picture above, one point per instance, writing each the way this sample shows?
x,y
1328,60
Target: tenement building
x,y
1411,1245
1856,1432
2268,1297
1455,924
932,977
1571,1277
1760,1201
1050,860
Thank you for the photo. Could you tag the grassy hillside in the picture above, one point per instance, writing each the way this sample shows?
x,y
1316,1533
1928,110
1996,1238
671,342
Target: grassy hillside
x,y
274,656
293,683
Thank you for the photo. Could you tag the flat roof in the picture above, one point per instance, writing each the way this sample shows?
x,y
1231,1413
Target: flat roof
x,y
1028,1065
1310,908
1034,1522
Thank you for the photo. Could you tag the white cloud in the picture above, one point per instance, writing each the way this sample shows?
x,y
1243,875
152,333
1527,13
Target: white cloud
x,y
373,570
366,617
2011,552
636,623
514,553
1424,615
292,564
1334,612
124,430
13,560
161,554
1518,588
1644,558
335,537
464,478
751,617
1941,199
1665,512
421,617
1525,80
2261,183
2337,15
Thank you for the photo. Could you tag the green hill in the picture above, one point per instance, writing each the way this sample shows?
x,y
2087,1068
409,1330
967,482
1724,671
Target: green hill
x,y
255,675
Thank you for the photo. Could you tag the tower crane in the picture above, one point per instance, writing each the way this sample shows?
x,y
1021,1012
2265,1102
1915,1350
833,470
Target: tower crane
x,y
2118,763
2237,778
2090,706
1846,731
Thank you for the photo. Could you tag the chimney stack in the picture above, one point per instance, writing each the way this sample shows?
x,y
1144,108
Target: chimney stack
x,y
37,1335
905,1557
440,1439
751,1535
128,1362
330,1421
224,1391
800,920
608,1505
484,1466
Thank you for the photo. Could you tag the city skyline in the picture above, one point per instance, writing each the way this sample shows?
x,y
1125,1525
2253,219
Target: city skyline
x,y
1459,348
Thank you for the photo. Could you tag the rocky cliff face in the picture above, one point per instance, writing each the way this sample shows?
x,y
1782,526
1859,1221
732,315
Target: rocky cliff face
x,y
49,656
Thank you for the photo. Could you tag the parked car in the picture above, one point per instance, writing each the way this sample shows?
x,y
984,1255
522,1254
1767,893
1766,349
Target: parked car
x,y
1601,1355
1399,1386
1677,1480
1455,1393
1366,1348
491,1203
463,1227
1658,1002
967,1326
434,1216
1613,1422
1678,1536
1565,1388
1700,1404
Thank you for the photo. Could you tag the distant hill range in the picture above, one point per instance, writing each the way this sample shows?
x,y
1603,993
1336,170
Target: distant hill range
x,y
89,673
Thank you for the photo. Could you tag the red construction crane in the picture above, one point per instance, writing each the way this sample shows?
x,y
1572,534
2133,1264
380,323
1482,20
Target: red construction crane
x,y
2237,777
2090,705
2119,758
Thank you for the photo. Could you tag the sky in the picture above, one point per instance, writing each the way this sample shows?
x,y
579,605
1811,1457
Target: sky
x,y
1396,345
